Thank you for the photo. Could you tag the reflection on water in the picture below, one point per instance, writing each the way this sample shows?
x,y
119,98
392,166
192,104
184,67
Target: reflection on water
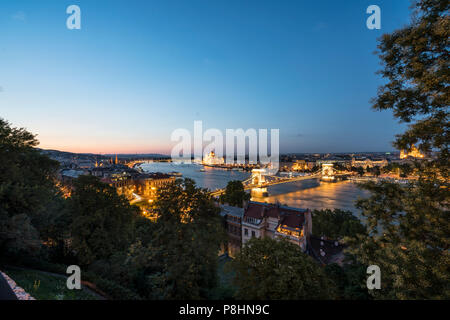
x,y
311,194
211,178
314,194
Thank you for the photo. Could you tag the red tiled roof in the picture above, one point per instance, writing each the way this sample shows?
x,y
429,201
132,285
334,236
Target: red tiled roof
x,y
260,210
255,211
291,217
293,220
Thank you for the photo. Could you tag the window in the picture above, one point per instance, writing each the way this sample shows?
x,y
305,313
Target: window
x,y
246,231
253,234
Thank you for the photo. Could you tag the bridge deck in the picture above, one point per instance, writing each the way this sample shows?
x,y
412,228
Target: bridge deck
x,y
276,181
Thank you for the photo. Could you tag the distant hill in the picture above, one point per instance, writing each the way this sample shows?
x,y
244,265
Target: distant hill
x,y
137,155
66,154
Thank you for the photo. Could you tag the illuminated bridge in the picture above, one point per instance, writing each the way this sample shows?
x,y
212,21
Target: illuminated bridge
x,y
261,178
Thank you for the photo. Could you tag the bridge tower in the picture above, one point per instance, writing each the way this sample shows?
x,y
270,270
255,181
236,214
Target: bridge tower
x,y
258,177
327,172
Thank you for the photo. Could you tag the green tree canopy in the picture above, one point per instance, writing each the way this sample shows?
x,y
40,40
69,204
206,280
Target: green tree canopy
x,y
359,170
408,224
278,269
180,261
101,220
416,67
349,279
235,194
27,189
336,224
409,239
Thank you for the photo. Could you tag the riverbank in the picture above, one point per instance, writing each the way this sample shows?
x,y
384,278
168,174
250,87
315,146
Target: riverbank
x,y
312,194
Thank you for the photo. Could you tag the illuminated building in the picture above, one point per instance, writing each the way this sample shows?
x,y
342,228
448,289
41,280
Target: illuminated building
x,y
123,184
414,153
367,163
274,221
300,165
146,185
211,159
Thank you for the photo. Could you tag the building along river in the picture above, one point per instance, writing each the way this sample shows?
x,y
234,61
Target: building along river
x,y
312,194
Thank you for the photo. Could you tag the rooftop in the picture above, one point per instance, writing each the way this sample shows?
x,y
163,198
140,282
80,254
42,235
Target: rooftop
x,y
326,251
289,216
231,211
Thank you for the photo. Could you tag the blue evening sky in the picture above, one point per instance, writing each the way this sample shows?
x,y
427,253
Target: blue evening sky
x,y
137,70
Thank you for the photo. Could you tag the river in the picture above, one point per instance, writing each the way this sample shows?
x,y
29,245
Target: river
x,y
312,194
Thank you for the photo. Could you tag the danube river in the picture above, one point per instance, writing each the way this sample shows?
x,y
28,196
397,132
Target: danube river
x,y
312,194
211,178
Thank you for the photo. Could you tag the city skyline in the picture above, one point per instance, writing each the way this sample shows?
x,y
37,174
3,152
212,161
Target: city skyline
x,y
138,71
251,153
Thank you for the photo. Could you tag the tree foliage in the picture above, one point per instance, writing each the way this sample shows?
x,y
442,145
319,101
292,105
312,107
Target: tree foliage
x,y
402,169
349,280
27,189
180,261
359,170
409,239
336,224
235,194
416,67
408,224
278,269
101,220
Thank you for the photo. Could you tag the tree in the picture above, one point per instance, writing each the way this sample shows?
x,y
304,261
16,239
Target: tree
x,y
405,170
349,279
339,167
408,225
180,261
359,170
101,220
416,67
278,269
336,224
235,194
390,168
27,190
408,231
376,171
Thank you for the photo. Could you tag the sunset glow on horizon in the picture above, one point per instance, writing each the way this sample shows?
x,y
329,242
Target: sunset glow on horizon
x,y
137,71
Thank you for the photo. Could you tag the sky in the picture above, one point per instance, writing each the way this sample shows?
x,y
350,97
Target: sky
x,y
138,70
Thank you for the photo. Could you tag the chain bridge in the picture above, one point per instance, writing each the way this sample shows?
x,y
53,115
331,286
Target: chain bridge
x,y
261,178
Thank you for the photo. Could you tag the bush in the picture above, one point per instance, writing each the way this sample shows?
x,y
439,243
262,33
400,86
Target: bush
x,y
110,288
